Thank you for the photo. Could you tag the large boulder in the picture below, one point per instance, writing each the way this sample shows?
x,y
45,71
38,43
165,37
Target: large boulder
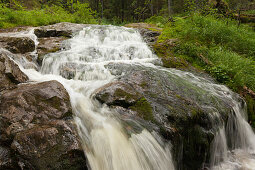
x,y
64,29
17,44
37,129
41,33
181,111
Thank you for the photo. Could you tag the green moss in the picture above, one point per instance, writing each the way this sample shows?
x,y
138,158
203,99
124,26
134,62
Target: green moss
x,y
53,50
144,84
195,112
144,109
165,52
178,96
126,95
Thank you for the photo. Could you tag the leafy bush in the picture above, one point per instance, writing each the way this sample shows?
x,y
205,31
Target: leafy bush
x,y
83,14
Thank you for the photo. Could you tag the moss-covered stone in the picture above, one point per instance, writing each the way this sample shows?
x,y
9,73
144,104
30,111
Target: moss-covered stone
x,y
118,94
124,94
172,105
143,109
165,50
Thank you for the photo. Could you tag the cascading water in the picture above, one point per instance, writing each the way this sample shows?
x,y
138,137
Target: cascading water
x,y
107,145
81,69
234,144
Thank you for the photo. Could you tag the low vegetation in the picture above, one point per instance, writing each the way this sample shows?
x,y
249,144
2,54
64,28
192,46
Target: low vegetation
x,y
19,16
229,49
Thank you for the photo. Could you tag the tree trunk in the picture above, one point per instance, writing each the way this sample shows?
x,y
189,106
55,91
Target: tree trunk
x,y
169,7
102,4
122,10
152,8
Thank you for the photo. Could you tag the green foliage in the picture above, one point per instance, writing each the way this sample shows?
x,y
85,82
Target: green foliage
x,y
83,14
48,15
201,6
219,73
229,49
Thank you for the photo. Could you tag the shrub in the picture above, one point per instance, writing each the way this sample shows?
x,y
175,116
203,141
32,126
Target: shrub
x,y
83,14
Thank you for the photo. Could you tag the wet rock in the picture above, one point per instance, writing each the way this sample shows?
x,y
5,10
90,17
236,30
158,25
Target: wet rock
x,y
10,74
180,111
149,32
51,37
64,29
48,45
119,94
41,33
51,146
150,37
36,125
17,44
14,29
31,104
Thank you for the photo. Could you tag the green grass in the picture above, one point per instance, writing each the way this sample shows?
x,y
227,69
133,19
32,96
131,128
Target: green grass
x,y
229,48
48,15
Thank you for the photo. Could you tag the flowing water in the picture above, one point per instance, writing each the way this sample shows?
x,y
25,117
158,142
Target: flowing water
x,y
106,143
81,69
233,147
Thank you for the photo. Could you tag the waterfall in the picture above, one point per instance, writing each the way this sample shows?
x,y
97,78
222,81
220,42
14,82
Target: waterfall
x,y
81,69
233,146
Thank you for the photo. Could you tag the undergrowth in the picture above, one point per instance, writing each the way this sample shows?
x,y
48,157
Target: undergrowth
x,y
10,17
229,48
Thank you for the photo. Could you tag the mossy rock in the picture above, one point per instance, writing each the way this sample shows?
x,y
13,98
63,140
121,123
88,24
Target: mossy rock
x,y
165,51
143,109
173,106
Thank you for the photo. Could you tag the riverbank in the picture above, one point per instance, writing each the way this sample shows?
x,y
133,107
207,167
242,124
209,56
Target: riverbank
x,y
218,46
